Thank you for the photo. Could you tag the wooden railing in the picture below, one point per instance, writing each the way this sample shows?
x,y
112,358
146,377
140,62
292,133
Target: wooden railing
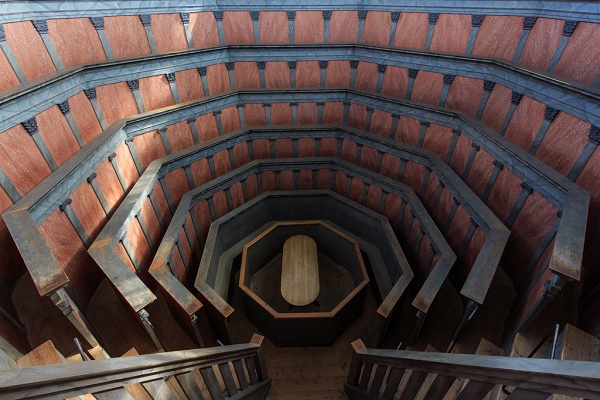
x,y
383,374
235,371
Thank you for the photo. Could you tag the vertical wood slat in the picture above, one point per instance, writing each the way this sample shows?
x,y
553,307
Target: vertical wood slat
x,y
391,386
380,373
251,366
475,390
365,377
212,383
439,387
413,385
228,379
355,364
241,374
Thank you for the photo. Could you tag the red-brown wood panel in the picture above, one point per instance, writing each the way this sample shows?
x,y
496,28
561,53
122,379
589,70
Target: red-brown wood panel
x,y
139,244
255,114
474,248
261,149
307,113
414,175
177,183
378,25
428,87
277,75
306,147
368,158
246,75
151,220
75,40
179,136
286,180
324,179
126,36
307,74
126,165
408,130
349,150
201,172
109,184
238,28
203,215
206,126
189,85
343,27
498,36
338,74
381,123
356,190
305,179
168,32
412,30
581,59
161,202
149,147
273,27
504,194
237,194
357,116
21,159
465,94
178,265
308,27
281,114
222,163
530,228
565,139
340,183
329,147
84,117
437,139
218,79
542,43
204,29
8,78
588,180
458,228
252,185
392,207
366,76
56,133
268,181
374,197
496,108
156,92
116,101
28,48
230,119
395,82
333,113
71,254
461,154
284,148
390,165
525,122
480,172
431,191
451,33
88,209
440,216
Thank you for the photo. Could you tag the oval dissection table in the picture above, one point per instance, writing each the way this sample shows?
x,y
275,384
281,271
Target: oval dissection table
x,y
300,271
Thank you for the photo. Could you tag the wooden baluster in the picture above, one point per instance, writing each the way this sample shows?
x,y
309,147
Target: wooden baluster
x,y
241,374
214,388
260,358
391,386
413,385
475,390
251,366
228,379
378,379
365,377
355,365
439,387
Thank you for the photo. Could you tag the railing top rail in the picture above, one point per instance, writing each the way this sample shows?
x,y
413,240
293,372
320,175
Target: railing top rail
x,y
70,379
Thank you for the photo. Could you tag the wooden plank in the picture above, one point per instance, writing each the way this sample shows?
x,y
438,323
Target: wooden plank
x,y
44,354
391,386
474,390
524,394
300,271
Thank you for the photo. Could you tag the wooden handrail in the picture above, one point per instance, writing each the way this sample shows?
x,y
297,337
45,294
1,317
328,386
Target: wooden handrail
x,y
73,379
574,378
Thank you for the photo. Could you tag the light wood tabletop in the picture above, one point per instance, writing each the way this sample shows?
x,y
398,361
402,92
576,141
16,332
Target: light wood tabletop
x,y
300,271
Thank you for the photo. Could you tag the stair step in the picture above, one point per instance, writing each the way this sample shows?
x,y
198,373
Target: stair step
x,y
44,354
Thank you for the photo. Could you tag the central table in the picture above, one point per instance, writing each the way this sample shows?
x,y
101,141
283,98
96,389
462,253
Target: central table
x,y
300,271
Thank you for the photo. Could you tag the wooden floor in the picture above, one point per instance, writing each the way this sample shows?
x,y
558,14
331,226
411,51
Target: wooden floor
x,y
310,372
